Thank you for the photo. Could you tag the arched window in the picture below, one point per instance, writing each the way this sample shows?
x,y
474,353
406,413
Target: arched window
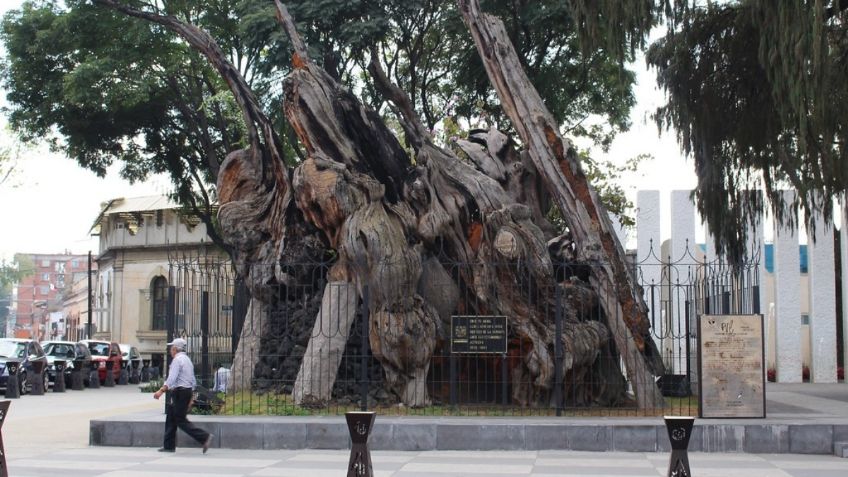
x,y
159,296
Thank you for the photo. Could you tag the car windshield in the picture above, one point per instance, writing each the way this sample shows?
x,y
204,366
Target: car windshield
x,y
58,349
99,349
11,349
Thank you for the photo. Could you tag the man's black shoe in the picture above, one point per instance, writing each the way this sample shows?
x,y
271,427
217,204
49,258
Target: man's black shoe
x,y
162,449
206,443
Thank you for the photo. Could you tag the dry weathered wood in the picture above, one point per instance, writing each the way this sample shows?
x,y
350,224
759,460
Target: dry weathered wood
x,y
247,353
555,159
314,383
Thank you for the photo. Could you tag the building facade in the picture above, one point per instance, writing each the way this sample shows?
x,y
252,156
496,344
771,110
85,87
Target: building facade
x,y
139,239
38,297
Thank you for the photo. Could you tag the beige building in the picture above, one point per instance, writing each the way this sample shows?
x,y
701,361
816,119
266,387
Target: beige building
x,y
139,239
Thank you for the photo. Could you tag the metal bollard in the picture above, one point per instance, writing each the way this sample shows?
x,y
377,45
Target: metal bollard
x,y
77,381
360,424
94,376
679,432
110,375
4,411
59,382
36,380
145,371
13,385
124,379
135,377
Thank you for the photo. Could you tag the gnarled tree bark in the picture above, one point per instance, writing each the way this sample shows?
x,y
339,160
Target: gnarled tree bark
x,y
588,222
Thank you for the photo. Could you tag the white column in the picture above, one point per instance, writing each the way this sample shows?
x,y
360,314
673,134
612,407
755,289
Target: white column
x,y
648,256
682,267
822,304
755,254
787,275
844,256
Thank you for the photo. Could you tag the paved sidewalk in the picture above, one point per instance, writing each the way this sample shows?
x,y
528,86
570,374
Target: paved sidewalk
x,y
146,462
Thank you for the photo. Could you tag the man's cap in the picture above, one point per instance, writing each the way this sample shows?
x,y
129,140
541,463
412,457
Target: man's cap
x,y
179,343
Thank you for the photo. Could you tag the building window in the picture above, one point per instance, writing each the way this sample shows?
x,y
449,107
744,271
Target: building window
x,y
45,277
45,263
160,218
44,290
805,319
159,297
74,263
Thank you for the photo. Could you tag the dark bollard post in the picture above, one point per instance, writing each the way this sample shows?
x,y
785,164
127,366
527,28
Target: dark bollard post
x,y
77,383
679,432
13,386
359,424
110,374
59,382
36,380
94,376
4,411
145,371
135,377
125,375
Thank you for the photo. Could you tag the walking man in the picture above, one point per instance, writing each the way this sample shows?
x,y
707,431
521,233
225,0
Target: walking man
x,y
181,383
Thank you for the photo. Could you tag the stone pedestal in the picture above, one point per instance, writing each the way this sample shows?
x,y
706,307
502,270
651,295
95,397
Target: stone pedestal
x,y
77,375
822,275
359,425
787,298
13,385
679,432
124,379
94,376
109,382
59,382
36,378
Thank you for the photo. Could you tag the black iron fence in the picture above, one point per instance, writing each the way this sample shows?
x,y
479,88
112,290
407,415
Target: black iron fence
x,y
315,346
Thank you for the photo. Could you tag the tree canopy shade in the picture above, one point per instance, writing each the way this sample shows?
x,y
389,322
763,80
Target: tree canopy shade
x,y
756,94
103,87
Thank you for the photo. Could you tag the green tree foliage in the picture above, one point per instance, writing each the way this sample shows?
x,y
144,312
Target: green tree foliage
x,y
105,88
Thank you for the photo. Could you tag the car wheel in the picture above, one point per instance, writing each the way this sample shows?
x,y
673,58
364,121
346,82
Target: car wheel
x,y
22,383
46,382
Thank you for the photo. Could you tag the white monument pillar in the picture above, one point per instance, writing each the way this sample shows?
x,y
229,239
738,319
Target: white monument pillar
x,y
822,303
755,251
844,256
648,256
787,276
683,267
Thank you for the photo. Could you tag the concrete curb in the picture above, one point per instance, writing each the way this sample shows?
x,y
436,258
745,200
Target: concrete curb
x,y
422,434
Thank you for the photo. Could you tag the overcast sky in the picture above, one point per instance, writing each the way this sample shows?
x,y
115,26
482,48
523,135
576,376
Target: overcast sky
x,y
55,201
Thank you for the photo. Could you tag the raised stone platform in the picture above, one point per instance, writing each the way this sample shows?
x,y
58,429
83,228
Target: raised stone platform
x,y
421,433
803,420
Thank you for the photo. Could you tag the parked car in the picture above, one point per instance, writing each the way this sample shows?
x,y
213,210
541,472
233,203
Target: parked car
x,y
69,351
130,354
25,351
101,352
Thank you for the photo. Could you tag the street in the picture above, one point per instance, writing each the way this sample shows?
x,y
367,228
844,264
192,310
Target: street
x,y
48,435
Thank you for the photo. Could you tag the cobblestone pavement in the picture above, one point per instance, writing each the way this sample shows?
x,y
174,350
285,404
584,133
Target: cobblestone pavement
x,y
143,462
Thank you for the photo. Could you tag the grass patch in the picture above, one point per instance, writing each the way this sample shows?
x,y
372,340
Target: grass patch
x,y
245,403
152,386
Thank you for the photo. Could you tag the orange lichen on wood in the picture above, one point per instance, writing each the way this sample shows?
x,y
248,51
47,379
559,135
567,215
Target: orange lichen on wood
x,y
298,62
475,235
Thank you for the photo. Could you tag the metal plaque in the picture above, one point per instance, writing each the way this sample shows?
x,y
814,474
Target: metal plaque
x,y
478,334
732,366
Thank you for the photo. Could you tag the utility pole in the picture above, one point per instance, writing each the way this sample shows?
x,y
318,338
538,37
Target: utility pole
x,y
88,329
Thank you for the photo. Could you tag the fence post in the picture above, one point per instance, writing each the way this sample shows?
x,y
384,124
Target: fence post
x,y
170,326
204,339
364,349
558,351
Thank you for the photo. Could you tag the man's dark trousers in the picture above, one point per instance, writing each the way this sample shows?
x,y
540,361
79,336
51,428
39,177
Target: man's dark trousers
x,y
177,418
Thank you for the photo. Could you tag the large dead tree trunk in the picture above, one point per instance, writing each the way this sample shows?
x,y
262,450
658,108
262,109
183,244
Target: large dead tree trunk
x,y
393,223
587,219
